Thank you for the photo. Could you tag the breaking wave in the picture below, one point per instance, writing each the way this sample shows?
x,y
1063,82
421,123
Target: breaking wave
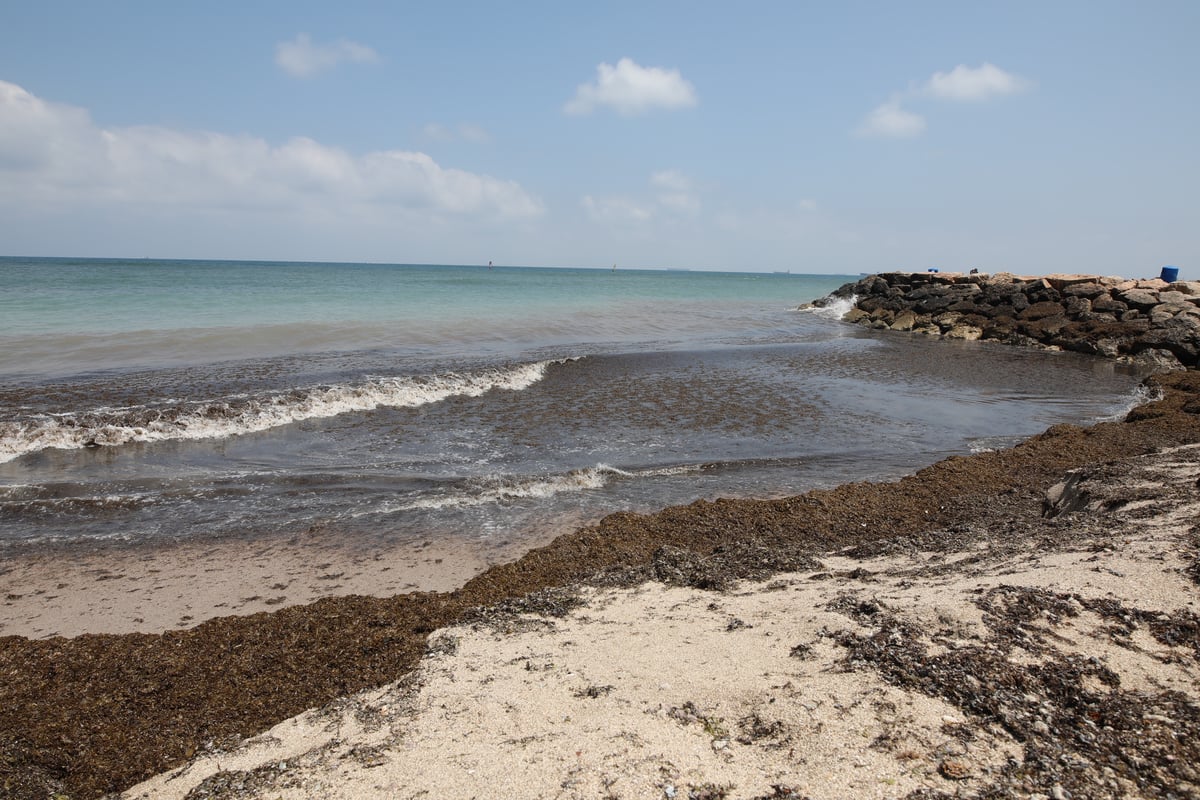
x,y
502,489
239,414
1141,395
832,307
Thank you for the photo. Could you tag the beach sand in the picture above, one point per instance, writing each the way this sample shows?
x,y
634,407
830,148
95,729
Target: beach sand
x,y
139,589
933,634
667,691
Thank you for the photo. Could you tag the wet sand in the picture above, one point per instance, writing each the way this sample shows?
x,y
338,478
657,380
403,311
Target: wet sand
x,y
97,713
124,589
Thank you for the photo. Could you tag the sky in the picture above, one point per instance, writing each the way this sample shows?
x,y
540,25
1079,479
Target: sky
x,y
816,137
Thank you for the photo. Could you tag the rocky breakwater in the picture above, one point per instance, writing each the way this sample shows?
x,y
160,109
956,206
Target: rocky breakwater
x,y
1148,321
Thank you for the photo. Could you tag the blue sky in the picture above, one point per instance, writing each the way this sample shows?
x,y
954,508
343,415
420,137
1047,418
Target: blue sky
x,y
816,137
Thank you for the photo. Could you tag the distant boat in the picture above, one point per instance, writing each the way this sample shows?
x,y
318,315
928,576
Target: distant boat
x,y
783,272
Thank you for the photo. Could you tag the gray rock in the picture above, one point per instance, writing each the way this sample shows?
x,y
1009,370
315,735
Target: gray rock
x,y
967,333
1066,496
947,321
1160,315
1088,290
1139,298
1174,298
1159,360
1106,302
1156,323
1077,305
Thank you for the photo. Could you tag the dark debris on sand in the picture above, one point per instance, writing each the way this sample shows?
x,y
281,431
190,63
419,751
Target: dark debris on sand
x,y
1082,734
98,713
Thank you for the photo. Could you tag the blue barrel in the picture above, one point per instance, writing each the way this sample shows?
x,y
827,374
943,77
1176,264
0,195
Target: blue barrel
x,y
1170,274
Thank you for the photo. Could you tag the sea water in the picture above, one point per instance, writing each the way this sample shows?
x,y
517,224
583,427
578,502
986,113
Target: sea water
x,y
147,400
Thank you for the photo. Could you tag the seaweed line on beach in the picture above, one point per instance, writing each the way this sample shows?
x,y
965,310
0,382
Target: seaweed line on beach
x,y
97,713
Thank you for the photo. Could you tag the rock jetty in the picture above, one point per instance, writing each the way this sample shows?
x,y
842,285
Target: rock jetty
x,y
1148,321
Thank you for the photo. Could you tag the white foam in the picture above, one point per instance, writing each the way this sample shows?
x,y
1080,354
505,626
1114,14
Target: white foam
x,y
1141,395
990,444
234,415
836,308
501,489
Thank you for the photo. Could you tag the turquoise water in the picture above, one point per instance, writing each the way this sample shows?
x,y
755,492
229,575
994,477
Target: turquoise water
x,y
148,400
65,315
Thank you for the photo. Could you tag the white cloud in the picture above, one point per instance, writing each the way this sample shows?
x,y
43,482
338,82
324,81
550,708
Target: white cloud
x,y
670,180
466,132
962,83
55,156
302,58
891,121
38,137
437,132
978,83
631,89
675,191
621,210
473,133
673,198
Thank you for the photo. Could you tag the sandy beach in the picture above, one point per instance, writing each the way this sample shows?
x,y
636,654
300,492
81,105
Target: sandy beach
x,y
774,688
122,589
933,635
599,401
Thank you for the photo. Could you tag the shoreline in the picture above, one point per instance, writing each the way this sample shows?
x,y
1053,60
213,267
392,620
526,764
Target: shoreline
x,y
106,589
886,671
97,713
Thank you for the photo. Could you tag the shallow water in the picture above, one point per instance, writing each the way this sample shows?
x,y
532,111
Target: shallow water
x,y
141,401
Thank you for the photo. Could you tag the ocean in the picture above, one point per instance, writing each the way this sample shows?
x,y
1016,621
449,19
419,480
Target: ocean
x,y
156,401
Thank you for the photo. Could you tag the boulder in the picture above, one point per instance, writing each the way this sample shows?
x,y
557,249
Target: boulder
x,y
947,321
1087,289
1139,298
1157,323
1044,328
1107,302
1077,305
1160,315
968,333
904,321
1158,360
1097,316
1173,298
1045,308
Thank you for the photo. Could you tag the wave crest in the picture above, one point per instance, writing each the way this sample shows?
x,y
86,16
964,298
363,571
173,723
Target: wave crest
x,y
831,307
239,414
508,488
